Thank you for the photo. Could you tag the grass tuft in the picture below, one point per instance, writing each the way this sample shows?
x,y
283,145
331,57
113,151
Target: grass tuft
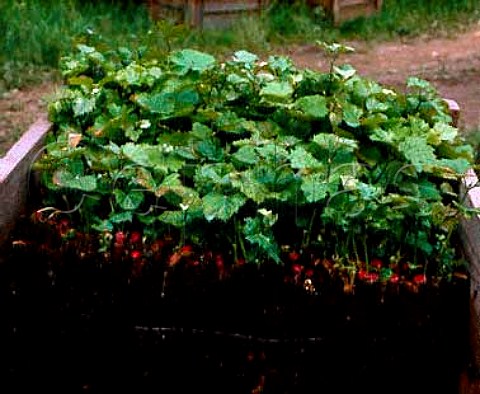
x,y
35,33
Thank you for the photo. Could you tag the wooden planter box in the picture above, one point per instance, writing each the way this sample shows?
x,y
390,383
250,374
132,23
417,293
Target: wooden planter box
x,y
233,337
470,235
342,10
15,176
205,13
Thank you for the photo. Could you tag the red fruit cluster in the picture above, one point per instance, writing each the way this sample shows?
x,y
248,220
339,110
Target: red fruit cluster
x,y
395,273
368,276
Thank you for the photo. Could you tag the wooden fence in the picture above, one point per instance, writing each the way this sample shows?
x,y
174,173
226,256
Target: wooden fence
x,y
205,13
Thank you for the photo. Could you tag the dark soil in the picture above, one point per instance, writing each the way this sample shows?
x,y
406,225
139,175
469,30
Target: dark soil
x,y
79,324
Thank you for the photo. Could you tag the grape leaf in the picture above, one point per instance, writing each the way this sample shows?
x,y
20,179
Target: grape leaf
x,y
277,92
256,233
187,60
162,103
244,57
128,201
246,155
332,142
352,114
82,106
417,151
314,106
87,183
121,217
210,150
221,207
300,159
152,156
316,188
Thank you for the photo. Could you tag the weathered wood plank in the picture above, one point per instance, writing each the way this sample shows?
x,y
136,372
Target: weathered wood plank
x,y
197,13
342,10
15,168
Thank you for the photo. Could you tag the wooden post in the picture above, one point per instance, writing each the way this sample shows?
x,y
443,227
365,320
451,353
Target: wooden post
x,y
194,13
341,10
454,109
335,4
153,8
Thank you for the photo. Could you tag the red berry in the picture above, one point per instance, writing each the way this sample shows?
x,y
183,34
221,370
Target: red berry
x,y
186,250
293,256
157,245
135,237
420,279
394,278
174,259
362,274
135,255
297,269
309,272
371,277
219,262
119,238
240,261
376,263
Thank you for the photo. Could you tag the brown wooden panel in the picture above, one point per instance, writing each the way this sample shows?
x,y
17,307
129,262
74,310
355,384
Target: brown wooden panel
x,y
219,6
196,12
350,3
341,10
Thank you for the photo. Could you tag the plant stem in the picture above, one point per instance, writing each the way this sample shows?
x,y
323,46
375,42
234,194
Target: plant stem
x,y
306,243
239,237
184,230
365,249
354,245
235,240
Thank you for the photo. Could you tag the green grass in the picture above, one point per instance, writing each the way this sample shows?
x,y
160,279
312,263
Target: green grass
x,y
400,18
38,31
35,33
287,22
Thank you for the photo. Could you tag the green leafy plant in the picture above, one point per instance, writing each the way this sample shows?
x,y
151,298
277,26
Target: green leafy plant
x,y
255,161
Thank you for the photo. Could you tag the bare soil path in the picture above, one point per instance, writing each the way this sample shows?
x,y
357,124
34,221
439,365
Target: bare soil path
x,y
451,64
19,108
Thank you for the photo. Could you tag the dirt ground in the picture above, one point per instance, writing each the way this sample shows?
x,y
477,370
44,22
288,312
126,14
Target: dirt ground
x,y
451,64
19,109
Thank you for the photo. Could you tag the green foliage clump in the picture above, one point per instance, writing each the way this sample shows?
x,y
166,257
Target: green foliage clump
x,y
256,158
